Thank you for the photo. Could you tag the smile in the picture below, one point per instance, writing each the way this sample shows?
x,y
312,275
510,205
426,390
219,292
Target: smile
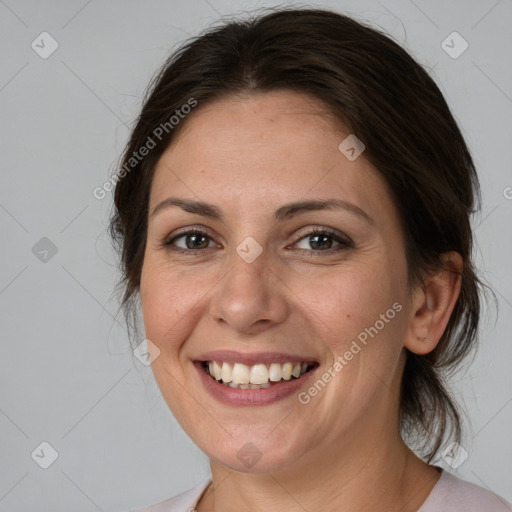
x,y
256,376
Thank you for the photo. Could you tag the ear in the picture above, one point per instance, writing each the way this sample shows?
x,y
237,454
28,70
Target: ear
x,y
432,305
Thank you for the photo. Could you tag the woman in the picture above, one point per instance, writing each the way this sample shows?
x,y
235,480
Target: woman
x,y
292,210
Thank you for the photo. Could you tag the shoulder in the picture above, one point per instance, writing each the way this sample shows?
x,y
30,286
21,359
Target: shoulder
x,y
451,494
183,502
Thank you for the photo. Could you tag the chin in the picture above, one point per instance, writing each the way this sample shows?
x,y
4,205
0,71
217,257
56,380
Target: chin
x,y
256,454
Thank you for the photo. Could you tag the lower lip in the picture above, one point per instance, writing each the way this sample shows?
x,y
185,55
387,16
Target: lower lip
x,y
246,397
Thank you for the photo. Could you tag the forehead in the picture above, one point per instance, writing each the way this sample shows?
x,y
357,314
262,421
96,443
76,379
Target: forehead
x,y
261,150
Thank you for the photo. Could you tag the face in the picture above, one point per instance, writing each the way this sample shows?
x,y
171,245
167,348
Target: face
x,y
303,308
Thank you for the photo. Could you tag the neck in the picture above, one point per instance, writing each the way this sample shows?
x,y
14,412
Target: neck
x,y
379,475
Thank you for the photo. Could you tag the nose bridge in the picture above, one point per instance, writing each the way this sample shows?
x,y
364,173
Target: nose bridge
x,y
249,292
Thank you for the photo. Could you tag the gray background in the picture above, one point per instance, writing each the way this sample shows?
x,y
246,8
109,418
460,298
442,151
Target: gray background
x,y
67,373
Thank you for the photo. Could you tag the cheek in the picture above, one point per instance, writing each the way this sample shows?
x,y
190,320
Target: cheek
x,y
169,304
360,315
350,299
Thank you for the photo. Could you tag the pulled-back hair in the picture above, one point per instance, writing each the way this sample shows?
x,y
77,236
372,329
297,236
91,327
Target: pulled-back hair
x,y
380,94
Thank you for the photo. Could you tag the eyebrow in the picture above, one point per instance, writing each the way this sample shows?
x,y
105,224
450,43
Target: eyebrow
x,y
285,212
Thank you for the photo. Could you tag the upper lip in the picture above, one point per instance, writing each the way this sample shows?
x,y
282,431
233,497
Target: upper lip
x,y
249,359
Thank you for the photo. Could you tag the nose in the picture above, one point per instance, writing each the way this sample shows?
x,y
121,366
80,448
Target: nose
x,y
250,297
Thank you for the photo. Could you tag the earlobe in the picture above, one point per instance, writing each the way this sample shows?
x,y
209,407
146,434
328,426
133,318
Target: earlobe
x,y
433,304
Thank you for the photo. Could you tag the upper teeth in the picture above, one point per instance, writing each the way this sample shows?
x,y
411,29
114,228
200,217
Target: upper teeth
x,y
239,373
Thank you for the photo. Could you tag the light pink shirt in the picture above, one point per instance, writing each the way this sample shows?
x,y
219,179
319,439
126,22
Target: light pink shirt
x,y
450,494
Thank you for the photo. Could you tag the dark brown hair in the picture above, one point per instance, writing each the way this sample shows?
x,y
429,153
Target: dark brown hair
x,y
384,97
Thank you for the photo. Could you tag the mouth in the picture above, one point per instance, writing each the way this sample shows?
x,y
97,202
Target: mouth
x,y
262,375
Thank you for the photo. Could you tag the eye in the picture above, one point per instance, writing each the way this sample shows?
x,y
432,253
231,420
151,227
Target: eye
x,y
188,241
315,241
322,240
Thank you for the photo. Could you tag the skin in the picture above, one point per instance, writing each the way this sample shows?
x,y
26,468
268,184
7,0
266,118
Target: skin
x,y
249,155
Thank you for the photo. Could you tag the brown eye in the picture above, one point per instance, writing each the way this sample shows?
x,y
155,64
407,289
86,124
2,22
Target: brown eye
x,y
322,240
191,240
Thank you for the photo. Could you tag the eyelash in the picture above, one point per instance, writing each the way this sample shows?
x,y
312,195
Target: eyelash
x,y
344,243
